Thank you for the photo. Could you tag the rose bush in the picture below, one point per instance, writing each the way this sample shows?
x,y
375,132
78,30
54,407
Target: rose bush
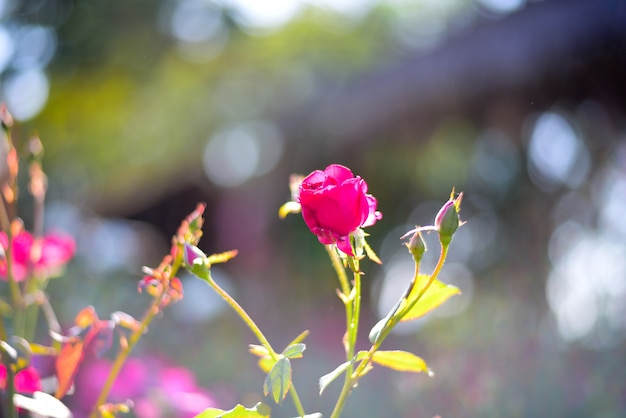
x,y
335,204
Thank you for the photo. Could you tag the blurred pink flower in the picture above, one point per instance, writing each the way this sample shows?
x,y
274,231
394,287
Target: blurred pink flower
x,y
156,389
26,380
44,256
335,203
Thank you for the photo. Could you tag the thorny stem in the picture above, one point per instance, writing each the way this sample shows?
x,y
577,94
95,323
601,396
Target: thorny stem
x,y
258,333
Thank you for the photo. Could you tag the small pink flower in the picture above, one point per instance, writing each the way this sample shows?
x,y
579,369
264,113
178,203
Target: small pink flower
x,y
44,256
335,203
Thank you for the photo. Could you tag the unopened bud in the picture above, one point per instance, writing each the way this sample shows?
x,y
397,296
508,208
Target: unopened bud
x,y
417,246
192,255
447,221
196,261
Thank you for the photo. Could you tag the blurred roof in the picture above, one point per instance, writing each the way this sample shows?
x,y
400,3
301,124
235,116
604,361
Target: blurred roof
x,y
549,51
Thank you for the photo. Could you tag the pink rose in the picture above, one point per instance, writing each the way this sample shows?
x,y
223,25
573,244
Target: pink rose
x,y
45,256
335,203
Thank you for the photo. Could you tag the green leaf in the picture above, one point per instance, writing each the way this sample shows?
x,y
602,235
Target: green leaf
x,y
259,410
401,360
436,295
278,380
329,377
294,350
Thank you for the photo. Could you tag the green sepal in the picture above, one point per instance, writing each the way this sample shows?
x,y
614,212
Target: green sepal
x,y
258,350
370,253
402,361
278,380
294,350
201,269
260,410
329,377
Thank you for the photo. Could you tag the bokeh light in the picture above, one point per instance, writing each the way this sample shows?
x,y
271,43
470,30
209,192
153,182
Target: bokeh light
x,y
235,155
26,93
586,288
556,153
502,6
6,48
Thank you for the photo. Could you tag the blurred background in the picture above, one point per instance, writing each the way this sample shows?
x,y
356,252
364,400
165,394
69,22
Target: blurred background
x,y
147,107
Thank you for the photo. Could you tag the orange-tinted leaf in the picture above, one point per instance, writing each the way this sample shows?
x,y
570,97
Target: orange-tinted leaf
x,y
67,364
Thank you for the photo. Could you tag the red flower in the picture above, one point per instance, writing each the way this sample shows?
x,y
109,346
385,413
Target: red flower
x,y
335,203
44,256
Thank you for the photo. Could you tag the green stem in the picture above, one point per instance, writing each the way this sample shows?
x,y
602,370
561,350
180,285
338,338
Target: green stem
x,y
356,311
244,316
353,312
296,400
16,294
8,353
257,332
31,310
3,331
33,284
123,355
